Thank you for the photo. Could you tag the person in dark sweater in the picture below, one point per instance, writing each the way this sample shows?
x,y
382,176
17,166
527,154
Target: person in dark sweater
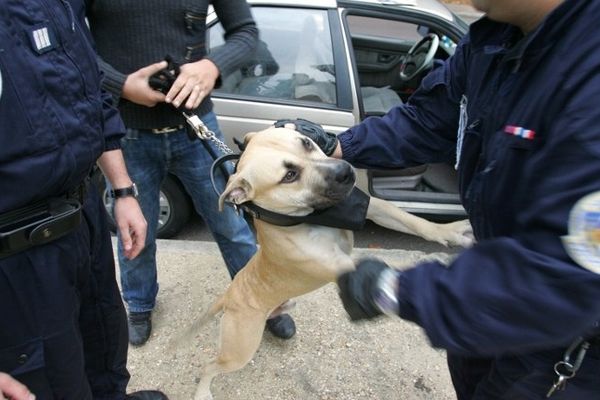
x,y
132,38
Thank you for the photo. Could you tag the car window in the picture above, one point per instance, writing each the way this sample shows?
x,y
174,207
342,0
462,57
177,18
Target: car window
x,y
383,28
293,61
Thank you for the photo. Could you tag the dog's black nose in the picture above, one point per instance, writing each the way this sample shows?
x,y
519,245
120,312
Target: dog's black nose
x,y
344,174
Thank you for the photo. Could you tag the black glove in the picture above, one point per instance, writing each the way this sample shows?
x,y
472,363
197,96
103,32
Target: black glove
x,y
164,79
358,287
327,141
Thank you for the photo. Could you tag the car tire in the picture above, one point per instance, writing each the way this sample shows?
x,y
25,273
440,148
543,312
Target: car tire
x,y
175,206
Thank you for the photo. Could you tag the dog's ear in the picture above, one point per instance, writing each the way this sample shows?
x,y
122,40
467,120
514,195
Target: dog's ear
x,y
238,191
247,137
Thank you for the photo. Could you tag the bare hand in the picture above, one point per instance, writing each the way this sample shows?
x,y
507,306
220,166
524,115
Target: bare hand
x,y
13,389
131,224
195,81
137,90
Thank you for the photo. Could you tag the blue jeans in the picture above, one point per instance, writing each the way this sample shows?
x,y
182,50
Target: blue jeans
x,y
149,157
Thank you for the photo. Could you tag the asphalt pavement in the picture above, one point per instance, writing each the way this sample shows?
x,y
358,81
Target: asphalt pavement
x,y
330,358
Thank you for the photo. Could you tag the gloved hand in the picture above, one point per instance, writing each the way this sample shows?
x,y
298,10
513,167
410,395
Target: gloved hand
x,y
327,141
358,289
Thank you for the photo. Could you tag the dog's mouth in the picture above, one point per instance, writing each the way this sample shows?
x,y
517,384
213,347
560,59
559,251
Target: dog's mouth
x,y
329,200
339,179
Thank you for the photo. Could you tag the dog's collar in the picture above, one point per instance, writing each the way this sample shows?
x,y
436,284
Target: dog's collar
x,y
252,209
349,214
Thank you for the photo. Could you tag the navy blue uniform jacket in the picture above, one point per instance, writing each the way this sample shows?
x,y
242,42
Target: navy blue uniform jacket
x,y
53,125
517,290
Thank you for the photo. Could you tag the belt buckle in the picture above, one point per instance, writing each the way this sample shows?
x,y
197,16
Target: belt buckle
x,y
166,129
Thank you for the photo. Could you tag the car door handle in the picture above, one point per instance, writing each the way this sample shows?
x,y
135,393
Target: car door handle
x,y
385,58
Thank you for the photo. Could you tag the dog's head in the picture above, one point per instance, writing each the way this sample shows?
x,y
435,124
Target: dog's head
x,y
285,172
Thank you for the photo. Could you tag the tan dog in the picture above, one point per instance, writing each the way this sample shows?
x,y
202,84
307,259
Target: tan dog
x,y
283,171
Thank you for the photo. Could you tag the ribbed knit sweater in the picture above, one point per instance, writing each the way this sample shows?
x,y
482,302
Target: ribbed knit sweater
x,y
132,34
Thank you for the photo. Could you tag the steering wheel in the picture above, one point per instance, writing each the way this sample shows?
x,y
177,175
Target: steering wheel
x,y
419,57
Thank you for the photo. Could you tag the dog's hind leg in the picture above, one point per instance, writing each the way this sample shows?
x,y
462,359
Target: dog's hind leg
x,y
241,334
388,215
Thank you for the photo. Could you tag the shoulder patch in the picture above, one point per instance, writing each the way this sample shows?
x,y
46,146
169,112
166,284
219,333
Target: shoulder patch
x,y
42,38
583,242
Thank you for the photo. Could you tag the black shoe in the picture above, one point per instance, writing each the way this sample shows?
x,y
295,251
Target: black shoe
x,y
140,326
146,395
282,326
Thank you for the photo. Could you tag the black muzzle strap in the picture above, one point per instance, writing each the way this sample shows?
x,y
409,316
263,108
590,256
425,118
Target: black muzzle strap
x,y
350,213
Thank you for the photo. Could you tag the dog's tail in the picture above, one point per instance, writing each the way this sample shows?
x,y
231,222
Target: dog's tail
x,y
187,336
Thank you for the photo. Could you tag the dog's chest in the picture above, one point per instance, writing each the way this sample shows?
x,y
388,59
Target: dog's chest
x,y
323,245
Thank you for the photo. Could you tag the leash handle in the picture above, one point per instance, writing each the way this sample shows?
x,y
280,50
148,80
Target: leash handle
x,y
218,163
201,131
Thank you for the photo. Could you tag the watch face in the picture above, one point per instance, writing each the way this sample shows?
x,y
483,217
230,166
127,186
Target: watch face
x,y
385,293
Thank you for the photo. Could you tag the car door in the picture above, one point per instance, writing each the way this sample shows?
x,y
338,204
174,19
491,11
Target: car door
x,y
299,70
380,37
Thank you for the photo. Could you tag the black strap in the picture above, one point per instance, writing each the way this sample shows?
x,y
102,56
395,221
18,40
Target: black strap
x,y
38,223
351,213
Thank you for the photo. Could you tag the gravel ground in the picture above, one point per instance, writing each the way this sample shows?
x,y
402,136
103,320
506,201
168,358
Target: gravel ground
x,y
330,358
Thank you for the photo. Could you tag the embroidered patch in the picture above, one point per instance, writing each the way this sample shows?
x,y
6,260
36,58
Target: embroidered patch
x,y
42,39
583,242
519,131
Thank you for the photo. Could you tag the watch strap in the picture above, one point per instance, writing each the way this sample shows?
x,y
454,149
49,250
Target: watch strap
x,y
130,191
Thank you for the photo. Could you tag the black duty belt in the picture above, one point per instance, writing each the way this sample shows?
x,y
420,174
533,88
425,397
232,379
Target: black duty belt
x,y
41,222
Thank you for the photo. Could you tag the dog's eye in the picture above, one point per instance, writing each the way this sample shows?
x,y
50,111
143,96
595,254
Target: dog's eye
x,y
290,176
306,142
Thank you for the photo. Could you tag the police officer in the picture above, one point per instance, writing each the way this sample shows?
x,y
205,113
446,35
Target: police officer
x,y
63,332
517,313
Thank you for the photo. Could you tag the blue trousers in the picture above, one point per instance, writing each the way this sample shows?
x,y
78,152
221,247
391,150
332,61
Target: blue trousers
x,y
63,327
523,377
149,157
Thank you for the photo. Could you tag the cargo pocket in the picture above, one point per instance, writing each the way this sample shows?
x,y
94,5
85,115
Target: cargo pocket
x,y
23,358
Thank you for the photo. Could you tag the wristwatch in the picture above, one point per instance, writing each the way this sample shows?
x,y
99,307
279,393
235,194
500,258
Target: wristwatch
x,y
125,192
384,295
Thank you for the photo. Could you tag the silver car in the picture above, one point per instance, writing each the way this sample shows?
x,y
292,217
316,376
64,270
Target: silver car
x,y
336,63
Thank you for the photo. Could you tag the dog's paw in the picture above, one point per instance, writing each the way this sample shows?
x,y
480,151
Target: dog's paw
x,y
459,233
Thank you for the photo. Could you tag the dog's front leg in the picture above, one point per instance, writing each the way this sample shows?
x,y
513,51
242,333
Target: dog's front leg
x,y
386,214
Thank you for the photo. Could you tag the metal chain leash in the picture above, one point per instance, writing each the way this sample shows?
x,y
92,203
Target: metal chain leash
x,y
204,133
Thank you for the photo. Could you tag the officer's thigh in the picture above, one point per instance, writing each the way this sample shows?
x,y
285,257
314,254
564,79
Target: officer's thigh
x,y
102,318
40,340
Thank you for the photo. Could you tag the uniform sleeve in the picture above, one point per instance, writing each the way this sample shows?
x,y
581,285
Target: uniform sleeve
x,y
522,293
114,128
421,131
241,35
